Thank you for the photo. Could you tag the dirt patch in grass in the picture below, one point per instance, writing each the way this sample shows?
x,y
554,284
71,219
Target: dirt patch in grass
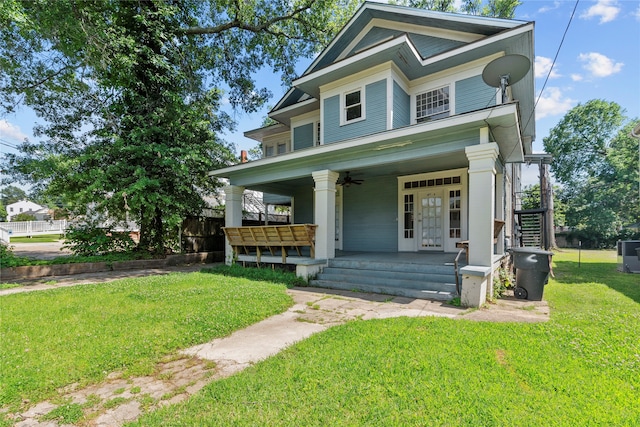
x,y
118,399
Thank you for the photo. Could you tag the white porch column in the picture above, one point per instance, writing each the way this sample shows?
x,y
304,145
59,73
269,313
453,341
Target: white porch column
x,y
482,201
325,212
501,201
477,277
232,215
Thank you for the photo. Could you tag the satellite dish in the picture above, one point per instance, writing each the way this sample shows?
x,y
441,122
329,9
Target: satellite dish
x,y
505,71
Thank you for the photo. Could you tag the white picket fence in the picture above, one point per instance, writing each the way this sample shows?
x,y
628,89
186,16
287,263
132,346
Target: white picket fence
x,y
31,228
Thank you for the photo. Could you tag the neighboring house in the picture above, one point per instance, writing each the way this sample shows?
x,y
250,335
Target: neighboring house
x,y
398,101
24,206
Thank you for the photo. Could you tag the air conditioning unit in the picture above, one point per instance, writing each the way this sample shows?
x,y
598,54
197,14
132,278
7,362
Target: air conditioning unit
x,y
629,256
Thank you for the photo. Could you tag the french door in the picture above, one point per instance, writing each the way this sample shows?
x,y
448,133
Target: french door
x,y
430,221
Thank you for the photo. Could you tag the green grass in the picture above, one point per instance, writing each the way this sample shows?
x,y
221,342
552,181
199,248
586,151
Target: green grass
x,y
11,260
41,238
57,337
580,368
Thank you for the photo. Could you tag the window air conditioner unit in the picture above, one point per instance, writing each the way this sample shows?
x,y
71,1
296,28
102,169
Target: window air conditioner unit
x,y
629,256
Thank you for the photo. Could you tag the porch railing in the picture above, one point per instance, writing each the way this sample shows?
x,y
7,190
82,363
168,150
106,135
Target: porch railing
x,y
33,228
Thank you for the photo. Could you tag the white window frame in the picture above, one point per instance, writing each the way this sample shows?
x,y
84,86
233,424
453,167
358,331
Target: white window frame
x,y
344,108
274,146
425,92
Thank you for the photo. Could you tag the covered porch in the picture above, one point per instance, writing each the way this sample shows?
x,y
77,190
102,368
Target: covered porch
x,y
428,162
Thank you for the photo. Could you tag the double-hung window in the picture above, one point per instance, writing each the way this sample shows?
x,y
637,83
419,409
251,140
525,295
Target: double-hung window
x,y
352,106
433,104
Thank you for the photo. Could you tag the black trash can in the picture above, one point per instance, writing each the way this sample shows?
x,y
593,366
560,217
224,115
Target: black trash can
x,y
532,272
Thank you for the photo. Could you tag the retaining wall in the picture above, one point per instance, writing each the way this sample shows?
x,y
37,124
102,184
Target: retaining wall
x,y
35,271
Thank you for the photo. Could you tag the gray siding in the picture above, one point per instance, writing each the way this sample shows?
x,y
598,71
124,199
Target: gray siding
x,y
429,46
331,121
375,113
473,94
426,45
303,136
401,107
303,206
369,216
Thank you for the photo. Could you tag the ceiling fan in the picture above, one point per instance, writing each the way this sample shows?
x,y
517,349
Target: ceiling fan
x,y
348,180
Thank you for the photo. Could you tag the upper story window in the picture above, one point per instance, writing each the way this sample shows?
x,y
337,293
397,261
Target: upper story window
x,y
353,106
269,151
275,148
433,104
317,134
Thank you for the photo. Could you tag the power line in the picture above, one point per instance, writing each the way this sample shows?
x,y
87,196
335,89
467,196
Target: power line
x,y
575,7
8,144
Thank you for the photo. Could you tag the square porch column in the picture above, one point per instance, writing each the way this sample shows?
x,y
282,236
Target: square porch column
x,y
325,212
232,215
477,276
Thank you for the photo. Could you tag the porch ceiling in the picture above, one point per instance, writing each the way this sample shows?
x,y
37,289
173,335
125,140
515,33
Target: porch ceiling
x,y
427,147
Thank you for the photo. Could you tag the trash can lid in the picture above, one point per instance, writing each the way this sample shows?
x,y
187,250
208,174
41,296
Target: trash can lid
x,y
530,251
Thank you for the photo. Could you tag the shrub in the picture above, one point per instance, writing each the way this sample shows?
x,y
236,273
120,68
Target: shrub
x,y
23,217
90,240
502,280
9,259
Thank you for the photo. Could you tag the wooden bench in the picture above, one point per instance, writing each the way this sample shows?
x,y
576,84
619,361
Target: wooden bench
x,y
497,228
273,237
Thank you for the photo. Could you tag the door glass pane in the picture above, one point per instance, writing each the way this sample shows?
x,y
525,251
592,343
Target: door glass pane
x,y
431,221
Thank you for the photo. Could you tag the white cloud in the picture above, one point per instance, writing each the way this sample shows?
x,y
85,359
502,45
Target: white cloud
x,y
544,9
606,10
576,77
553,103
9,130
636,13
543,66
599,65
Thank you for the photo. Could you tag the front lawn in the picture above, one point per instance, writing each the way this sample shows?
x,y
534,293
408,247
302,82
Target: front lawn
x,y
53,338
580,368
40,238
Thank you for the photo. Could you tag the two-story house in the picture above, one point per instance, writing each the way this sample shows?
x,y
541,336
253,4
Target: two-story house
x,y
392,143
27,207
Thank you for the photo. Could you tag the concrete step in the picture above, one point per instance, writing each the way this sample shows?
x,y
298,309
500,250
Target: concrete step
x,y
386,290
378,278
423,276
392,266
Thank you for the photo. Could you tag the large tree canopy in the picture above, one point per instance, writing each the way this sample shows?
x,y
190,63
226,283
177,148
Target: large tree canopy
x,y
130,92
595,158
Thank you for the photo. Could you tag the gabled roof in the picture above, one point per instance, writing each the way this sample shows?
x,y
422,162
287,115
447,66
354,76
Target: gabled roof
x,y
412,38
408,16
419,43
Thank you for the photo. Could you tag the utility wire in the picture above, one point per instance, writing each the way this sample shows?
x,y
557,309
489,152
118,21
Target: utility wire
x,y
575,7
7,143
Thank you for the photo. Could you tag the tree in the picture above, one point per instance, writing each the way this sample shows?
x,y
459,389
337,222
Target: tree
x,y
23,217
495,8
131,94
595,159
11,194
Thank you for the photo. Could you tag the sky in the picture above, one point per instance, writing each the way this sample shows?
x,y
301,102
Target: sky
x,y
599,58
